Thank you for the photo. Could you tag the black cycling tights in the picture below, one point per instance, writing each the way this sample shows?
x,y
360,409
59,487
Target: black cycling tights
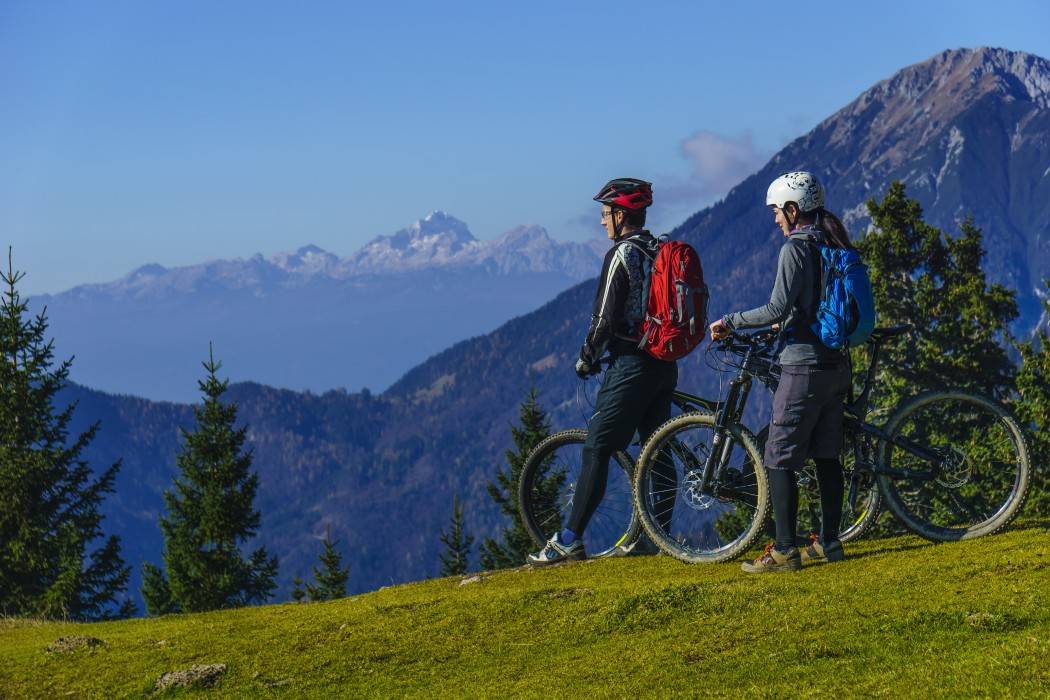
x,y
783,490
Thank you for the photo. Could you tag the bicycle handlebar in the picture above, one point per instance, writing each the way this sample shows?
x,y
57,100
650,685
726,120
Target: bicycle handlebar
x,y
735,339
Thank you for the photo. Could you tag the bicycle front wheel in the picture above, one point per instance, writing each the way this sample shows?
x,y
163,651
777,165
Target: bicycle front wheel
x,y
685,521
977,480
547,490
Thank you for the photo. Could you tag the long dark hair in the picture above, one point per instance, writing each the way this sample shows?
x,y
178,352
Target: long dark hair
x,y
833,228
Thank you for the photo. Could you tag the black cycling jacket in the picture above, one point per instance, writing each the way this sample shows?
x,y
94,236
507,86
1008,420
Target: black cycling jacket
x,y
623,294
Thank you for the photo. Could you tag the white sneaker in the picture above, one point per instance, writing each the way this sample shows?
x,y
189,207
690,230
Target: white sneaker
x,y
555,552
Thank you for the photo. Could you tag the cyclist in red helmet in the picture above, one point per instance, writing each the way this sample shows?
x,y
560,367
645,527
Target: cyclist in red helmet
x,y
636,394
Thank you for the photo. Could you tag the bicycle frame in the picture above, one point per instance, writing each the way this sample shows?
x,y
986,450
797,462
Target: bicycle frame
x,y
857,411
729,412
690,402
919,451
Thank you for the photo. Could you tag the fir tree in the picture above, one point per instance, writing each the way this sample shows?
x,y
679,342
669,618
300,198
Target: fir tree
x,y
514,542
210,514
330,574
923,277
298,589
49,498
934,282
1033,408
456,558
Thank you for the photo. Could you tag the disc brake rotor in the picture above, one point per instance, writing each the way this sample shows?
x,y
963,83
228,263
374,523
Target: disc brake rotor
x,y
955,469
691,491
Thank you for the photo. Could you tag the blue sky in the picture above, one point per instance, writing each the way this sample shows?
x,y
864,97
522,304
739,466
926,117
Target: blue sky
x,y
171,132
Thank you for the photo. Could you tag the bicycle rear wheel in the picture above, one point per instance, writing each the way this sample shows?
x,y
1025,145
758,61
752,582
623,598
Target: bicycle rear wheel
x,y
684,522
981,473
856,519
547,488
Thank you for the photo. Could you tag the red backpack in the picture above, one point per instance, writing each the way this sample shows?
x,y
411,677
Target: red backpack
x,y
676,316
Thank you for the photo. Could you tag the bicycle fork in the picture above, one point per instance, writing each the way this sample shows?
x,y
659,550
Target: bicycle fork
x,y
722,442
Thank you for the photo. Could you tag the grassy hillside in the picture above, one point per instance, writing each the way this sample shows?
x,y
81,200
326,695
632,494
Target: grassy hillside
x,y
899,618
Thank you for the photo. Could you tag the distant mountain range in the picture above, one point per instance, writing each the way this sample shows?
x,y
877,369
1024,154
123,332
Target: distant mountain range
x,y
967,130
310,319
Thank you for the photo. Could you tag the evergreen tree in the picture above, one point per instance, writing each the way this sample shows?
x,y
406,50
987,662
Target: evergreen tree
x,y
298,590
330,574
514,542
456,558
1033,408
210,513
49,498
934,282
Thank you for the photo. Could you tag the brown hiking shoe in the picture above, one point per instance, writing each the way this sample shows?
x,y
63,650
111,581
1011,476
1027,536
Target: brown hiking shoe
x,y
817,552
772,561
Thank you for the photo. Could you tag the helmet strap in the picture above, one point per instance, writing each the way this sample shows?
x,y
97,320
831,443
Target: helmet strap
x,y
617,225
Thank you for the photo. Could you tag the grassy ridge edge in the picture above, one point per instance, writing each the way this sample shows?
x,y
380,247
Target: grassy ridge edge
x,y
900,617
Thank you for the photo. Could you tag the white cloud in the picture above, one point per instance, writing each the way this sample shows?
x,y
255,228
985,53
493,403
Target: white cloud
x,y
719,164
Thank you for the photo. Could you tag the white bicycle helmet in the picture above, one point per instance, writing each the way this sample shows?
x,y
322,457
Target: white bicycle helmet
x,y
802,188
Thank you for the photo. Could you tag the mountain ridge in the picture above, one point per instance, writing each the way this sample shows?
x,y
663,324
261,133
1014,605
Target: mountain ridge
x,y
309,319
436,241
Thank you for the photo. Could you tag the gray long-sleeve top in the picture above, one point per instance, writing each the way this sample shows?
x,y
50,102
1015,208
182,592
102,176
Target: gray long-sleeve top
x,y
793,303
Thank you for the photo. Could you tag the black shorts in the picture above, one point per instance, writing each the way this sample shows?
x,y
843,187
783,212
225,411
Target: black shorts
x,y
807,415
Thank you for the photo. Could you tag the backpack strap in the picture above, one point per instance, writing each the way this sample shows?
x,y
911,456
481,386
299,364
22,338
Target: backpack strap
x,y
818,274
646,251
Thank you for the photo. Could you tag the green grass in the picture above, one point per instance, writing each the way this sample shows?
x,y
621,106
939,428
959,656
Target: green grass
x,y
899,618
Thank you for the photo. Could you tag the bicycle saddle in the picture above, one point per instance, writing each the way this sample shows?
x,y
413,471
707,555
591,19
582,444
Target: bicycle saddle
x,y
880,334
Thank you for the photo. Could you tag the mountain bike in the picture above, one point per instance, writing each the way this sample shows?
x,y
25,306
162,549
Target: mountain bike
x,y
949,465
548,480
547,486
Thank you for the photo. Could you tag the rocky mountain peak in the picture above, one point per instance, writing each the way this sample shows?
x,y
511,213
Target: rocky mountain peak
x,y
147,270
434,239
309,259
437,225
521,236
903,113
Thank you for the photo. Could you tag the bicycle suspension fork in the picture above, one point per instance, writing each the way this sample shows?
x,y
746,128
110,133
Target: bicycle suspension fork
x,y
722,443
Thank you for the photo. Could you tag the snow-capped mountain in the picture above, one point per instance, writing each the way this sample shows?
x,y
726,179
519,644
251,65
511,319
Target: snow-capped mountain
x,y
438,239
435,242
309,319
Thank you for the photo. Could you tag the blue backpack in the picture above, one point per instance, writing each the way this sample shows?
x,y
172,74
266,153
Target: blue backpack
x,y
846,314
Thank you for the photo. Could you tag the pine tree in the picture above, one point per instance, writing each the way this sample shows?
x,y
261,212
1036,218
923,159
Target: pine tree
x,y
1033,408
923,277
49,498
456,558
298,589
514,543
330,574
934,282
210,513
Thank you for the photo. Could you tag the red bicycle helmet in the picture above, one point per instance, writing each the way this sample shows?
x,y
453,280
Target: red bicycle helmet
x,y
626,192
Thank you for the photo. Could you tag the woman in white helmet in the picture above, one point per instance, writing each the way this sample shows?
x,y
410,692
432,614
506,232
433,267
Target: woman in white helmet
x,y
808,403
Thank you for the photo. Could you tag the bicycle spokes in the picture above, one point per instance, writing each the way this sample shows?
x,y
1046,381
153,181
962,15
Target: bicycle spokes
x,y
549,490
977,471
700,522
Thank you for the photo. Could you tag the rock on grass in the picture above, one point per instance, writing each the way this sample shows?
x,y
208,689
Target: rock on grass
x,y
201,675
72,643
